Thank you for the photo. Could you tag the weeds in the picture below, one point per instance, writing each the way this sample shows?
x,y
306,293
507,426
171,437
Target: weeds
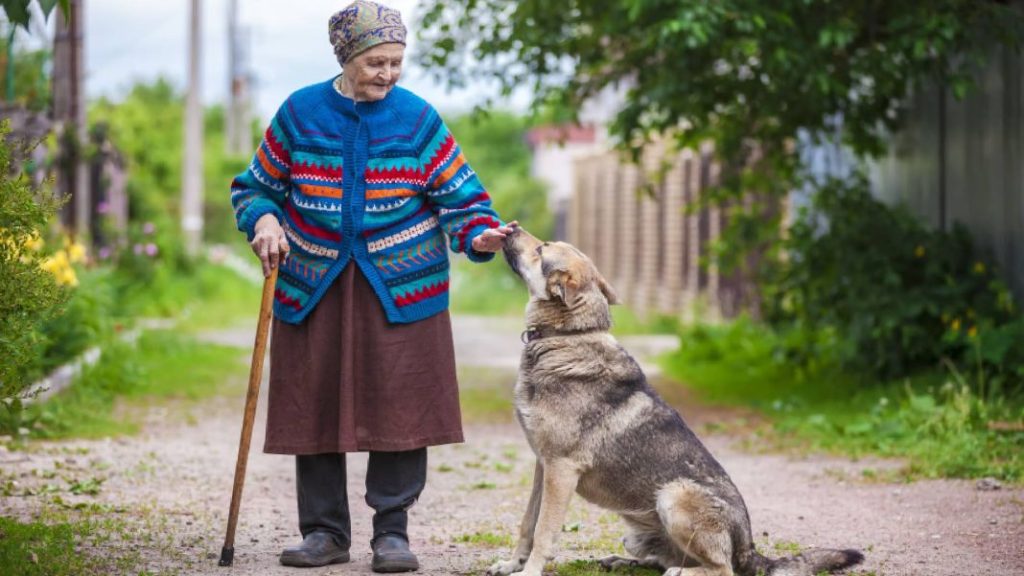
x,y
940,421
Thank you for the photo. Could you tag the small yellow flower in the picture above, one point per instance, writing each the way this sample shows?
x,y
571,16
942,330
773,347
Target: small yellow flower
x,y
972,332
955,326
76,252
919,251
33,242
979,268
51,264
59,265
68,277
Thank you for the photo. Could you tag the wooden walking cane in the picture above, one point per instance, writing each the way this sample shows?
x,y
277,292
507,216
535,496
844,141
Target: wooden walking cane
x,y
227,553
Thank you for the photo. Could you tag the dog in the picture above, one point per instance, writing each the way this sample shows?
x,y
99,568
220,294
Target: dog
x,y
599,429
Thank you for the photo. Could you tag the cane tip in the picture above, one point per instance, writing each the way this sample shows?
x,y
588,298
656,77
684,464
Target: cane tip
x,y
227,556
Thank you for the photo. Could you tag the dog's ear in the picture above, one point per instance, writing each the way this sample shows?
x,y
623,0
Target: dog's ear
x,y
564,286
607,290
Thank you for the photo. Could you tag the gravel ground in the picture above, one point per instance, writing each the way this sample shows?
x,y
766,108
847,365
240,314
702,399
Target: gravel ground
x,y
169,488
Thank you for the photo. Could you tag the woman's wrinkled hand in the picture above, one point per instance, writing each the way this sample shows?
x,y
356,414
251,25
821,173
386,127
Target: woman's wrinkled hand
x,y
493,239
269,243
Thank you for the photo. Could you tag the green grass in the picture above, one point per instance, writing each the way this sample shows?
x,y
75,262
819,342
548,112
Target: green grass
x,y
626,322
485,540
485,394
161,366
938,421
209,296
593,568
489,289
35,548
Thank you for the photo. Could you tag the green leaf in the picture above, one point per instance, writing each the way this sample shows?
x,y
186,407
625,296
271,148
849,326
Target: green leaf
x,y
47,6
17,11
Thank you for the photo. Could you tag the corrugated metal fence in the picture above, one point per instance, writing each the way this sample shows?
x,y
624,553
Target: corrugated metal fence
x,y
963,161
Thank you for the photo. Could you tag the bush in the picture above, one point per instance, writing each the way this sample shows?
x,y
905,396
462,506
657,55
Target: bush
x,y
29,295
84,321
895,295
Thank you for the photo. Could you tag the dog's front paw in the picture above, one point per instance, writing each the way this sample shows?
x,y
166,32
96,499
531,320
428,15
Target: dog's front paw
x,y
505,568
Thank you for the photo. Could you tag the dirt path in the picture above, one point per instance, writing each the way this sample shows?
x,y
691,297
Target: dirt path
x,y
170,486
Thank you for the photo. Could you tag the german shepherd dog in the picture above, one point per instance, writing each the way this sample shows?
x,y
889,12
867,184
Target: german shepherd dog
x,y
598,429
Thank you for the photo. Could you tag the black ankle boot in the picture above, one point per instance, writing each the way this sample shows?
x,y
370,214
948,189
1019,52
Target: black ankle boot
x,y
391,554
317,549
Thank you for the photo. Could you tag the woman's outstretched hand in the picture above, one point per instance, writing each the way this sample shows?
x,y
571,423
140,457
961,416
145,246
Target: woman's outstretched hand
x,y
493,239
269,243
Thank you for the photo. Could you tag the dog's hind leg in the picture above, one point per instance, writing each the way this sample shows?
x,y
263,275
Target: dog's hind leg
x,y
698,523
526,528
645,543
615,562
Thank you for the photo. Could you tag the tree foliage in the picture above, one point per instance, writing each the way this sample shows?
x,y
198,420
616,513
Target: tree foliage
x,y
145,125
495,145
737,71
17,11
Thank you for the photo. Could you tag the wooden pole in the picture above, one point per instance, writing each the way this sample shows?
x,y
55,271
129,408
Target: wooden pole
x,y
227,553
192,170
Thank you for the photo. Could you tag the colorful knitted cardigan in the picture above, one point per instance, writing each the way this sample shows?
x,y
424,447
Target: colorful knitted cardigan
x,y
380,183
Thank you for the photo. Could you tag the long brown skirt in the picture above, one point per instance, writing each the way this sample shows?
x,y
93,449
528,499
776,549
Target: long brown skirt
x,y
346,380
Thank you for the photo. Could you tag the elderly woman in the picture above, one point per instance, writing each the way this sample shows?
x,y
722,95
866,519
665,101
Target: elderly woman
x,y
352,193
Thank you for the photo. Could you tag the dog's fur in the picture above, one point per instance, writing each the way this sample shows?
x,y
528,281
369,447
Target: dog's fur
x,y
598,429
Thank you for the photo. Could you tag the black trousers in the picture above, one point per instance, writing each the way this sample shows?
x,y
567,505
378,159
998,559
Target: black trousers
x,y
394,481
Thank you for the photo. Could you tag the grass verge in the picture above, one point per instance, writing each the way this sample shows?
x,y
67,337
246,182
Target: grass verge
x,y
162,365
943,423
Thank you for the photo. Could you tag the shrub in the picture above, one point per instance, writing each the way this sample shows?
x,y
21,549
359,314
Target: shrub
x,y
29,295
898,295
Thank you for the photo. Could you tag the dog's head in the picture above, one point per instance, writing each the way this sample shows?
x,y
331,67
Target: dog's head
x,y
558,275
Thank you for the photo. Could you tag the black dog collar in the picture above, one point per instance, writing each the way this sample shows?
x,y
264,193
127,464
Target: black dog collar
x,y
532,334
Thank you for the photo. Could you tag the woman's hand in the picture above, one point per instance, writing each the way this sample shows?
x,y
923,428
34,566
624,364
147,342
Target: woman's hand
x,y
269,243
493,239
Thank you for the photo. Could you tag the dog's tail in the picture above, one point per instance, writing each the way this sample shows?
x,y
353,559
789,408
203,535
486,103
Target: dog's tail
x,y
807,563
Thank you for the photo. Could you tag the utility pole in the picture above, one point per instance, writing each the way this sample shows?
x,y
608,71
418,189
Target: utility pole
x,y
238,139
192,177
69,116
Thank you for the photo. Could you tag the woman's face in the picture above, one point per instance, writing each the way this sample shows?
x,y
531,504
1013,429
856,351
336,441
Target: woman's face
x,y
373,73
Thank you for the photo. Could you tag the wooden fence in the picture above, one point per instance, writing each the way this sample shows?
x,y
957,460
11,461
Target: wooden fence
x,y
653,247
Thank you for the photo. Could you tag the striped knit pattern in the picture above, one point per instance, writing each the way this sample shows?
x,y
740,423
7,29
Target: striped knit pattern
x,y
414,196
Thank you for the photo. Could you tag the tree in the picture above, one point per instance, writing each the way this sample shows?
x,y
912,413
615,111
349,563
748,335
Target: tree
x,y
735,71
